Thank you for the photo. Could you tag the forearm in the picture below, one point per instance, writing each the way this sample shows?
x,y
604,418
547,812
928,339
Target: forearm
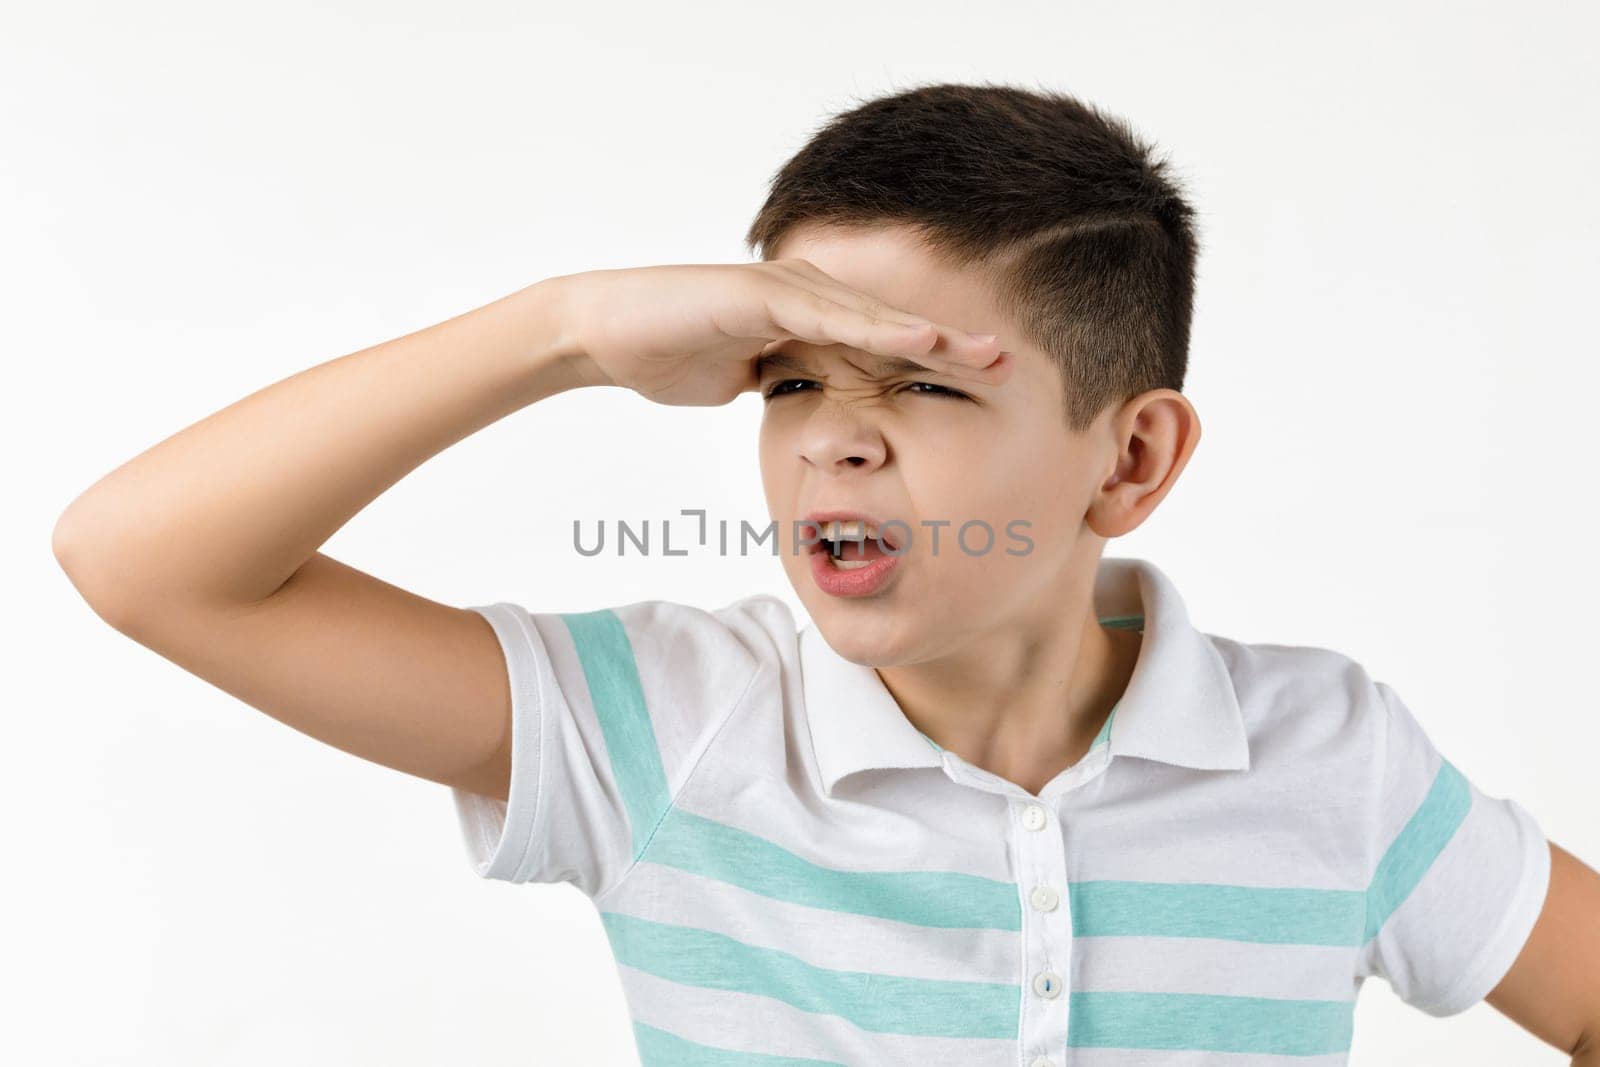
x,y
226,510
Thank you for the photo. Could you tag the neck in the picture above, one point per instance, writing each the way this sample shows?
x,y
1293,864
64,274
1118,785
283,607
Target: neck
x,y
1027,700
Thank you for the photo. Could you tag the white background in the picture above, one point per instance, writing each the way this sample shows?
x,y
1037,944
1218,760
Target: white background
x,y
1393,358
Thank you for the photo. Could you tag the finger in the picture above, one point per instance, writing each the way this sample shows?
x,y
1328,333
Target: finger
x,y
826,285
960,354
981,359
998,370
955,346
818,320
863,330
985,370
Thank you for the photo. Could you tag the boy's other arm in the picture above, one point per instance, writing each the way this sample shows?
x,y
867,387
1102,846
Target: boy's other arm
x,y
204,547
1553,988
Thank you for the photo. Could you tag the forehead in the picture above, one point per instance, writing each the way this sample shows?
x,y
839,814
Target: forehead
x,y
889,263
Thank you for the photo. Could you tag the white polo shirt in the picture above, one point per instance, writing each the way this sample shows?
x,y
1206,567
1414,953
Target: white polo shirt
x,y
790,873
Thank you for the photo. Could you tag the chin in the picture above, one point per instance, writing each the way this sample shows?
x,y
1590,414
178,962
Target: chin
x,y
866,638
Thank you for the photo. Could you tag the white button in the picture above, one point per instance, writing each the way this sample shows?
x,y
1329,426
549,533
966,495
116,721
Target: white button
x,y
1041,1061
1043,898
1033,817
1047,984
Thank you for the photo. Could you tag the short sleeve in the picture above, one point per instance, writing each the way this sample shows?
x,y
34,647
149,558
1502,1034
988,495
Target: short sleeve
x,y
610,712
1459,877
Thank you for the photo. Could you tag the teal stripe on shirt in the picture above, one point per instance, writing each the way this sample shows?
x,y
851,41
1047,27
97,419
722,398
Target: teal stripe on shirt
x,y
1105,730
1265,915
1417,845
728,854
886,1003
613,679
1209,1023
1273,915
662,1048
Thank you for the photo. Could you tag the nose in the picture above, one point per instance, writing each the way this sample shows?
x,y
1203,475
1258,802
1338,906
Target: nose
x,y
834,439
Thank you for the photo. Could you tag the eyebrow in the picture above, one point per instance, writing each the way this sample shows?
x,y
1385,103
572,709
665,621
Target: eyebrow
x,y
883,366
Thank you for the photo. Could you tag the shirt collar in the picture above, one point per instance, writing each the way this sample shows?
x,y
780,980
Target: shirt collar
x,y
1179,706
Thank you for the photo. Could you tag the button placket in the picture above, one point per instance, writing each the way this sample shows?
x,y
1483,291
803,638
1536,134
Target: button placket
x,y
1047,931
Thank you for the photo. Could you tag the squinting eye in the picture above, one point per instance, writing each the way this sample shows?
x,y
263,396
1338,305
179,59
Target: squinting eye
x,y
939,390
778,389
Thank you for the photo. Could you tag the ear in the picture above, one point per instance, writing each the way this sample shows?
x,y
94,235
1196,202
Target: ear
x,y
1149,440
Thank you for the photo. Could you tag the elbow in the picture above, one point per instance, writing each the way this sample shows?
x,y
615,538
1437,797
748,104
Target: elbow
x,y
88,570
66,544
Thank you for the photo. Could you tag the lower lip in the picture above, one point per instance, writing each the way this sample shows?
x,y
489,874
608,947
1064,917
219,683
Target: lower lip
x,y
858,581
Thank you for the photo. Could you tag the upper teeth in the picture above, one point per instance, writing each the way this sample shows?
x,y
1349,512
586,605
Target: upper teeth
x,y
848,530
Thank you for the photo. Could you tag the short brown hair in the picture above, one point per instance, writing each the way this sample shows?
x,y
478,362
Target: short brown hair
x,y
1086,240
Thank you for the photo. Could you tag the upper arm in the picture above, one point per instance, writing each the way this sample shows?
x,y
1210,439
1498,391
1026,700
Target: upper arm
x,y
1457,877
359,664
1553,988
611,712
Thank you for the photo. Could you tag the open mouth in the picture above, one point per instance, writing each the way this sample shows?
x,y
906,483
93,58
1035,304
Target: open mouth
x,y
853,544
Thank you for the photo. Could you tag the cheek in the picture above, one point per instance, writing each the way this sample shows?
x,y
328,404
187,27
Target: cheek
x,y
975,483
1031,509
768,446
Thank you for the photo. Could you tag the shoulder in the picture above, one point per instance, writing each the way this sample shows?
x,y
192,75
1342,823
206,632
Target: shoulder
x,y
748,630
685,647
1304,700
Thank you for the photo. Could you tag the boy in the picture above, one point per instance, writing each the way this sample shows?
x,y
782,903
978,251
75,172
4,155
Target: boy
x,y
1000,803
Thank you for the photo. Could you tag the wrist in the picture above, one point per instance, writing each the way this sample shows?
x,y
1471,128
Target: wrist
x,y
557,359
